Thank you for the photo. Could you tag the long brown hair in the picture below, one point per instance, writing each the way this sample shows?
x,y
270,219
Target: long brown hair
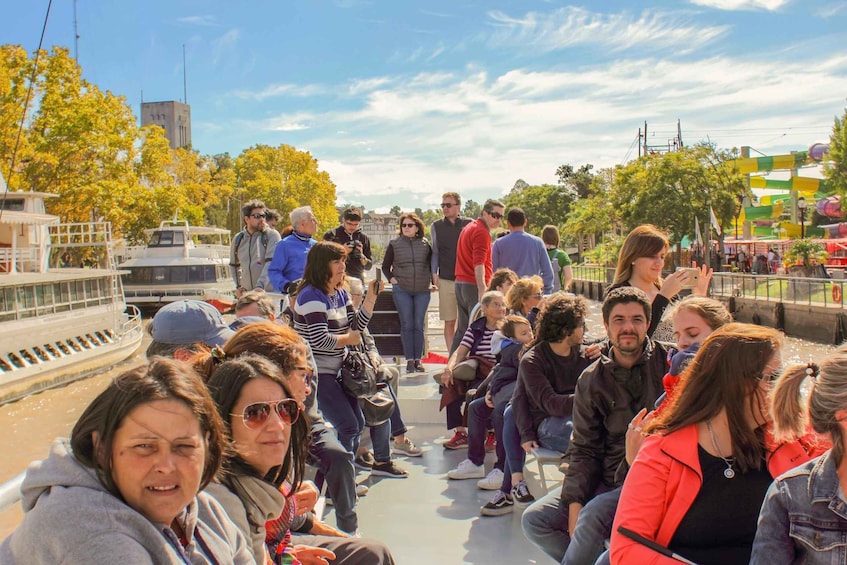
x,y
644,241
523,289
725,375
828,396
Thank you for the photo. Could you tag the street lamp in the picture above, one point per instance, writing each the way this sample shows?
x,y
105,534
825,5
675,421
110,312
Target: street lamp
x,y
801,204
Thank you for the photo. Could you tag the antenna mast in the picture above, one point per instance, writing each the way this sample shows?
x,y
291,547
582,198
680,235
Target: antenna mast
x,y
76,37
184,81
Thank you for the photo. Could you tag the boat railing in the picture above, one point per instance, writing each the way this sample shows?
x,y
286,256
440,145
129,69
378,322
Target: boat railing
x,y
81,234
10,492
132,323
25,260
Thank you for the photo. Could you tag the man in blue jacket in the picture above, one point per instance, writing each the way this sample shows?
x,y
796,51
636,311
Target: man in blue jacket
x,y
289,260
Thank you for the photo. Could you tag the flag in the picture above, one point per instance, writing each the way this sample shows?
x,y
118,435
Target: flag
x,y
714,219
698,237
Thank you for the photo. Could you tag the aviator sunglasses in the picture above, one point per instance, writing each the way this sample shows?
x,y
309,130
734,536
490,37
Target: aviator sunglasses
x,y
256,414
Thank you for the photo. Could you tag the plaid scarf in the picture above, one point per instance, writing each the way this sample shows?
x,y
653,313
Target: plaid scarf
x,y
278,533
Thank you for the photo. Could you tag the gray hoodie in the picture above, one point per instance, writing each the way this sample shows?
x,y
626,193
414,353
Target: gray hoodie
x,y
70,517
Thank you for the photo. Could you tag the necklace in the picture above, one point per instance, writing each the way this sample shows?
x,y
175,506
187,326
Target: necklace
x,y
729,472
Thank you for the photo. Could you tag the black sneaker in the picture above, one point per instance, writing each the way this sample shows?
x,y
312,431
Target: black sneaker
x,y
501,504
521,494
419,366
389,469
411,367
365,461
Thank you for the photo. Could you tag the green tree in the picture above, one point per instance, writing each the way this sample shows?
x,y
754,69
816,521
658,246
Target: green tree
x,y
471,209
836,168
396,210
578,181
544,204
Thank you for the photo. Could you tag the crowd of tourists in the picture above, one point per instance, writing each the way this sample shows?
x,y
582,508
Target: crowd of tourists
x,y
682,436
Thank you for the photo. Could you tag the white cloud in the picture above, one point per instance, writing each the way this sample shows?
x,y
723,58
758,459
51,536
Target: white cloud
x,y
831,9
571,26
769,5
281,89
202,21
224,46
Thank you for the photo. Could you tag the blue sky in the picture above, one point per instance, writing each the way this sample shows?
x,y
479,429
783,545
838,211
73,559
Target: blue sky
x,y
400,100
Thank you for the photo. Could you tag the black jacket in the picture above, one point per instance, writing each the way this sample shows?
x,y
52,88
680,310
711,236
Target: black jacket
x,y
603,407
355,264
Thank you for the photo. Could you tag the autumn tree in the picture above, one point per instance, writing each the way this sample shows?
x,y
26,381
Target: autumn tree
x,y
285,178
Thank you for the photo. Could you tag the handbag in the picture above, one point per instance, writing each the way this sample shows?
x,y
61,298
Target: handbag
x,y
358,375
378,407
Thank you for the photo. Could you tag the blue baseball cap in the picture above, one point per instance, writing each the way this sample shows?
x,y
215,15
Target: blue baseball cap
x,y
190,321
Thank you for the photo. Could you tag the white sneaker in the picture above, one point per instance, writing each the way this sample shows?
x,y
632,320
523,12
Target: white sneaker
x,y
492,481
467,470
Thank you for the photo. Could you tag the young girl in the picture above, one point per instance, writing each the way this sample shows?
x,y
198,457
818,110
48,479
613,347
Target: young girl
x,y
513,334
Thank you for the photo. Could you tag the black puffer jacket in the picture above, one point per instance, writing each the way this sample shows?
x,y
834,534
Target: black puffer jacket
x,y
407,259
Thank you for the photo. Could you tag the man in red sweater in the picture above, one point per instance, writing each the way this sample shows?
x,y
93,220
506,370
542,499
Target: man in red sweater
x,y
473,264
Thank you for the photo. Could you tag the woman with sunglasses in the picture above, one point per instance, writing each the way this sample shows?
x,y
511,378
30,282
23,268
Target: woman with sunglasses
x,y
524,297
407,267
285,349
324,315
124,488
698,482
268,439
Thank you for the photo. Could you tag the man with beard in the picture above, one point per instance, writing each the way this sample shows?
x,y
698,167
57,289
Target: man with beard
x,y
609,393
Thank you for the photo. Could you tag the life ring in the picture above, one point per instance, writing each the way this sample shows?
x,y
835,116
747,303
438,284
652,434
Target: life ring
x,y
836,293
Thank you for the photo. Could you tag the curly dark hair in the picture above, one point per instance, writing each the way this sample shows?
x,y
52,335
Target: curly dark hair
x,y
560,316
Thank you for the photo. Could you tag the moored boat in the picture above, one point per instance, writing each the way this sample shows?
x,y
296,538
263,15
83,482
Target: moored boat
x,y
62,310
180,262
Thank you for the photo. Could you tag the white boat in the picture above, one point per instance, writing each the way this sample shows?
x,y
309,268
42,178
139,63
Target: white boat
x,y
57,324
180,262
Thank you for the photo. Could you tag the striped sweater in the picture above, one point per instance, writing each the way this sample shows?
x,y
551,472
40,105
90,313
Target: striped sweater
x,y
321,318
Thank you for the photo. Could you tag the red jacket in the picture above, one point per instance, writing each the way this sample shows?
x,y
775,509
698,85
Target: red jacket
x,y
664,481
474,248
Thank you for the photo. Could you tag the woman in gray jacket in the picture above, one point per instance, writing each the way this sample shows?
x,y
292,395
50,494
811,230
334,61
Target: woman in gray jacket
x,y
407,267
124,489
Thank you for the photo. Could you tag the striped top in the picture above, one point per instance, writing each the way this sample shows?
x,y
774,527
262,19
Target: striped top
x,y
321,318
483,347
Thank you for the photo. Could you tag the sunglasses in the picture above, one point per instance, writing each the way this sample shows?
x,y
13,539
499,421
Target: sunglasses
x,y
447,205
409,225
255,415
258,216
495,215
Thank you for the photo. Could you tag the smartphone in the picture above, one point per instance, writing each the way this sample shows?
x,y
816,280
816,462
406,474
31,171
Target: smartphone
x,y
378,277
693,276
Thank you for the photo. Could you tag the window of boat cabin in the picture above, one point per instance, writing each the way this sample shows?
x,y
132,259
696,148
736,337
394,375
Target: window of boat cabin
x,y
7,304
167,239
12,204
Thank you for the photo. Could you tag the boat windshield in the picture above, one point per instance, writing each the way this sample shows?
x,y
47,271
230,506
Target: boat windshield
x,y
167,238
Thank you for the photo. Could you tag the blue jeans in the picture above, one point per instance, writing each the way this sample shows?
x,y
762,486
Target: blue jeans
x,y
380,437
411,306
554,432
545,524
593,527
336,465
398,426
342,411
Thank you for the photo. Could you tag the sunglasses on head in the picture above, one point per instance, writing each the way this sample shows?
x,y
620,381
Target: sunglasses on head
x,y
255,415
447,205
257,216
495,215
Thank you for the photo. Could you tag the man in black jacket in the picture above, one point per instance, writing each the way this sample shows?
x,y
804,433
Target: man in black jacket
x,y
608,395
359,257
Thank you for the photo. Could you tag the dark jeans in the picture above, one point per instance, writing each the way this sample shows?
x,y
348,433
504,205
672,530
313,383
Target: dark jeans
x,y
411,306
481,418
398,426
348,551
336,466
554,432
341,410
466,298
515,455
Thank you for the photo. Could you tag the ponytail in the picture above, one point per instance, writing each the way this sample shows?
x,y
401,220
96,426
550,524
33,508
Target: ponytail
x,y
790,417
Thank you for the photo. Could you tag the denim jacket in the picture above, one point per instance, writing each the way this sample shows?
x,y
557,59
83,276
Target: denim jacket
x,y
803,519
